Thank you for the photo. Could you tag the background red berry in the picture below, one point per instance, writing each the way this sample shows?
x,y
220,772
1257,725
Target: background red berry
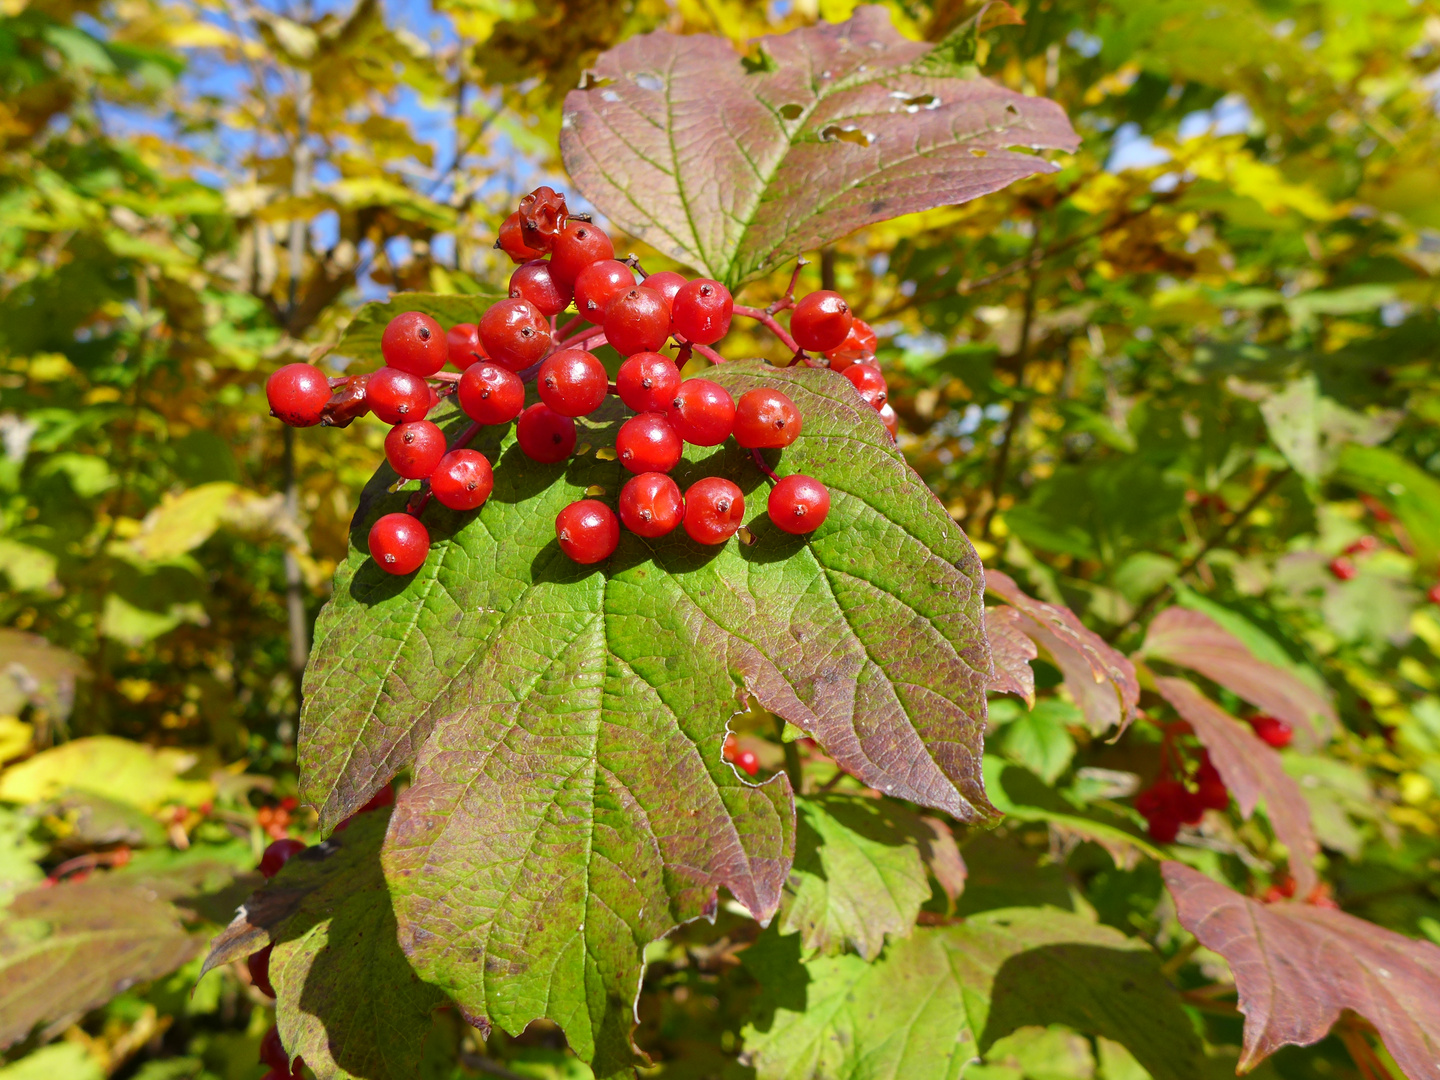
x,y
490,394
258,964
747,762
821,321
637,320
298,394
667,283
598,284
647,382
859,342
463,342
277,855
462,480
514,333
651,505
588,531
414,449
1342,568
414,342
579,245
397,396
1272,730
766,419
272,1050
533,281
572,382
798,504
544,435
399,543
1433,593
714,509
701,311
647,443
702,412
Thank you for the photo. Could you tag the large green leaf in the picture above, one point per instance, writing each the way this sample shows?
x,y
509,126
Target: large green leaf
x,y
565,723
938,999
734,166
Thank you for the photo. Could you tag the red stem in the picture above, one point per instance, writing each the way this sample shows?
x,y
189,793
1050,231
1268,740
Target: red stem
x,y
709,354
759,459
569,327
788,300
765,319
583,335
421,498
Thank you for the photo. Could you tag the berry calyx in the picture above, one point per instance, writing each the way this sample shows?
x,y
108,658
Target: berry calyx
x,y
869,382
462,480
514,333
647,443
490,394
463,342
258,964
588,531
396,396
766,419
1343,568
747,762
579,245
572,382
647,381
651,505
598,284
512,241
702,412
277,855
544,435
714,510
821,321
700,312
297,394
667,283
414,342
798,504
399,543
414,449
533,281
637,320
1272,731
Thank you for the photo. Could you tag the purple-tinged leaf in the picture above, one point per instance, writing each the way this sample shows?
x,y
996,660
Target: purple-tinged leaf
x,y
1012,650
1297,967
1252,771
736,167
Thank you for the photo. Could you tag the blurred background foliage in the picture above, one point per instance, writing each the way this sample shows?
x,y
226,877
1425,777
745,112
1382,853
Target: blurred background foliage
x,y
1197,365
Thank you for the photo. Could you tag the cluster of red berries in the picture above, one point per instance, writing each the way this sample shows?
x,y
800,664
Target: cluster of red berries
x,y
565,260
1344,568
276,855
1169,803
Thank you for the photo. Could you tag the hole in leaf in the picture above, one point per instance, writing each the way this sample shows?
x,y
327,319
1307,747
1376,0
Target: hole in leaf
x,y
851,134
1012,110
609,95
583,449
759,62
916,102
975,151
791,112
589,81
595,489
648,81
745,536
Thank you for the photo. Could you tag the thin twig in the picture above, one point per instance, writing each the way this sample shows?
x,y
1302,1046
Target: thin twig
x,y
709,354
582,336
788,300
765,319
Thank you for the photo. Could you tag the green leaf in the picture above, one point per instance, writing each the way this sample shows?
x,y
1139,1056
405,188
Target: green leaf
x,y
63,1059
565,723
735,170
361,338
1312,430
1413,492
1039,740
943,996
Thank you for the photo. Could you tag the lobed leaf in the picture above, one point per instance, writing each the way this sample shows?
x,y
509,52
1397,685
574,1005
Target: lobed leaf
x,y
1297,967
735,167
1012,651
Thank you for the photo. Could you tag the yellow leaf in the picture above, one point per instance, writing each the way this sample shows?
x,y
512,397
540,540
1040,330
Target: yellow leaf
x,y
128,772
15,736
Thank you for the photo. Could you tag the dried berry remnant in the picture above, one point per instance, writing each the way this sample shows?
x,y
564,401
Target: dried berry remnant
x,y
545,435
651,505
543,215
399,543
587,531
714,509
766,419
298,394
414,342
798,504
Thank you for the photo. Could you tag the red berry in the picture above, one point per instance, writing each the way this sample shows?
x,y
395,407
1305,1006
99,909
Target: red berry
x,y
533,281
572,382
399,543
798,504
580,244
702,412
891,420
544,435
277,855
272,1050
1163,828
1433,593
821,321
543,214
297,394
381,799
258,964
598,284
1211,790
647,382
747,762
667,283
637,320
859,342
416,343
1163,798
512,241
1363,546
647,443
396,396
766,419
700,312
869,382
490,394
414,449
462,480
650,505
515,333
714,509
1273,731
1342,568
588,531
463,341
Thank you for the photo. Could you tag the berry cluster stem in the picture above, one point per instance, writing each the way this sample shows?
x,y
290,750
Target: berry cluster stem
x,y
765,319
709,353
788,299
759,459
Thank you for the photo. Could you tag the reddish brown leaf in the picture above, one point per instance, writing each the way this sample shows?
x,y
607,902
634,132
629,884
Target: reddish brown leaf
x,y
1193,640
1012,652
1297,966
1252,771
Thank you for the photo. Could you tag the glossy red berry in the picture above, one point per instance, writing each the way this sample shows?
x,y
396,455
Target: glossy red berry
x,y
277,855
637,320
544,435
414,342
258,964
490,394
700,312
514,333
414,449
462,480
798,504
702,412
598,284
588,531
859,342
396,396
890,419
1273,731
821,321
747,762
647,443
647,382
572,382
766,419
297,394
651,505
463,342
512,241
579,245
1342,568
667,283
533,281
272,1050
714,509
869,382
399,543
